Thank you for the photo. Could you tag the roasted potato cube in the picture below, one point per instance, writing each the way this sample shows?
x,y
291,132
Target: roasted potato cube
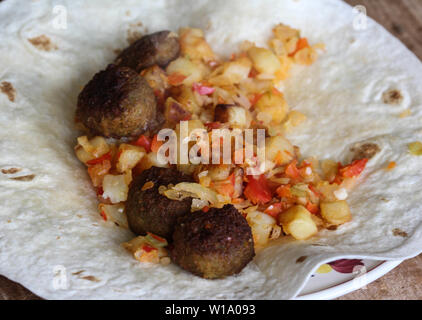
x,y
274,106
232,114
279,150
219,172
115,188
156,78
129,156
262,225
187,99
194,71
194,45
97,147
336,213
232,72
285,33
294,119
298,222
82,155
264,60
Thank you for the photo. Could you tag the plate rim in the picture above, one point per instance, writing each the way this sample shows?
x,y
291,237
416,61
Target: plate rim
x,y
349,286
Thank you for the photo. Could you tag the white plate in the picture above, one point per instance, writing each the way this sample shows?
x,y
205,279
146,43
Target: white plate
x,y
334,284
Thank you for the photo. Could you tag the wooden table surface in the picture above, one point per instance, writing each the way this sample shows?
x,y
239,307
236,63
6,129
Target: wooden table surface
x,y
403,18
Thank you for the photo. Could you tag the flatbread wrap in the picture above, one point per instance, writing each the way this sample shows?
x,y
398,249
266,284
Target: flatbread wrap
x,y
363,91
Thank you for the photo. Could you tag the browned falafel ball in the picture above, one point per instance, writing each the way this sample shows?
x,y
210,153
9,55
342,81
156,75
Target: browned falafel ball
x,y
157,48
117,103
149,211
213,244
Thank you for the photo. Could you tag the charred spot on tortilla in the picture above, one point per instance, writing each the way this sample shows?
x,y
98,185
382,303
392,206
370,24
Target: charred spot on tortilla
x,y
158,48
400,233
332,228
43,43
10,170
90,278
117,103
133,33
393,97
301,259
29,177
365,150
7,88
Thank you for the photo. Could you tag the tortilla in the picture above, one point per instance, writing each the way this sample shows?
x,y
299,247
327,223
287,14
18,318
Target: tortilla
x,y
52,239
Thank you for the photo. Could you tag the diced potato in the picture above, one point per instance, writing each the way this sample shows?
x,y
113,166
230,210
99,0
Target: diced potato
x,y
262,225
294,119
90,149
194,71
336,213
115,188
148,161
298,222
205,181
174,112
274,105
264,60
278,46
238,69
234,115
194,45
99,146
253,85
114,213
284,33
219,172
279,150
187,98
129,156
152,160
283,73
156,78
232,72
193,126
291,45
306,56
82,155
84,143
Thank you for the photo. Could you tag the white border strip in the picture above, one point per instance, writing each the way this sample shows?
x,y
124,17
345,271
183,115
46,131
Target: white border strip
x,y
350,286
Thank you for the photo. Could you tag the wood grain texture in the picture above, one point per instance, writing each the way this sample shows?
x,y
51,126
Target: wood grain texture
x,y
403,18
402,283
